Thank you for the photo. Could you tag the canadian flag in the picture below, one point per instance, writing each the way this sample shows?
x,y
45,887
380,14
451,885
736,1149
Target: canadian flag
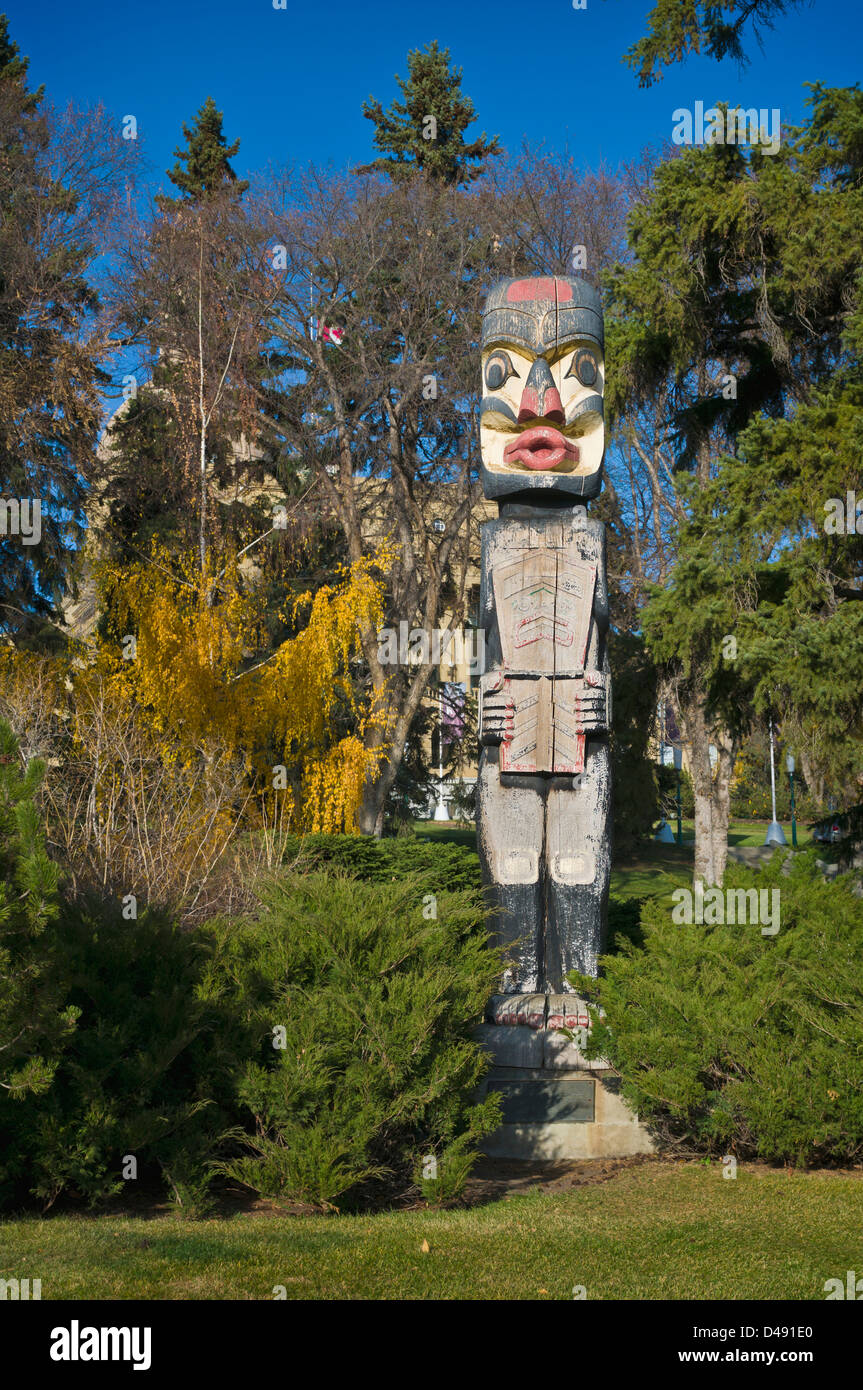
x,y
328,335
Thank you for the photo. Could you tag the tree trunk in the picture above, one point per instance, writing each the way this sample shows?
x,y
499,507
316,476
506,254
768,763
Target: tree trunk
x,y
712,791
814,779
371,813
370,817
202,534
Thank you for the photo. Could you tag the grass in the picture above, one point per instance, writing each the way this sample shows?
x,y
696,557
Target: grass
x,y
650,869
447,833
663,1230
748,832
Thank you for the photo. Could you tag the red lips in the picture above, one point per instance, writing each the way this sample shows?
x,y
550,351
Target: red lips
x,y
540,448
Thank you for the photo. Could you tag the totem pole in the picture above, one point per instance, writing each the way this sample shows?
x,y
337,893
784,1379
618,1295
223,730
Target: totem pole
x,y
544,784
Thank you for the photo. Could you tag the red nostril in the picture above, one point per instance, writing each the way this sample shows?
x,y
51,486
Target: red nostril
x,y
544,405
553,406
529,408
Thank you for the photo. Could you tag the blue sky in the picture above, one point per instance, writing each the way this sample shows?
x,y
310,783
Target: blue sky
x,y
292,82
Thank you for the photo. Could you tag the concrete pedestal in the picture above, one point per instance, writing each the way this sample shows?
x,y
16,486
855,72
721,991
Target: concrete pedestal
x,y
556,1104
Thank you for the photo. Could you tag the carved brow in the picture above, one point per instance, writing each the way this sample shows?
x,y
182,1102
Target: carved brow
x,y
498,406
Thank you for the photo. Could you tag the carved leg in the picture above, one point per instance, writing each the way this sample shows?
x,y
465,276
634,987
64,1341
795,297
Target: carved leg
x,y
510,824
578,865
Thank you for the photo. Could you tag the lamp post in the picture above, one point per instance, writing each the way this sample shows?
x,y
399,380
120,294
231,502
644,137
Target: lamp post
x,y
441,812
789,764
678,763
775,834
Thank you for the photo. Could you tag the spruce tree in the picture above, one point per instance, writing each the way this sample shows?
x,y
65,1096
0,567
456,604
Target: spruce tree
x,y
746,275
675,30
50,373
32,1021
13,68
206,158
426,130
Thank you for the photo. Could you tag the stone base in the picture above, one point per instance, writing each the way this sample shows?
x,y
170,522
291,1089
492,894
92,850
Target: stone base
x,y
592,1123
556,1104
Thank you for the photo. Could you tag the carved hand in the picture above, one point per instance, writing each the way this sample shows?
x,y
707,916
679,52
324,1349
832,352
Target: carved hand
x,y
588,694
495,712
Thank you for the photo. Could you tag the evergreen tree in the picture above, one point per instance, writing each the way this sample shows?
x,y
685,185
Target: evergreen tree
x,y
426,130
736,307
32,1021
765,557
13,68
206,158
144,489
712,26
55,173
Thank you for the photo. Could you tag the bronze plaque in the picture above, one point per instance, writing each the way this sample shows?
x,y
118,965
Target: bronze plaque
x,y
558,1102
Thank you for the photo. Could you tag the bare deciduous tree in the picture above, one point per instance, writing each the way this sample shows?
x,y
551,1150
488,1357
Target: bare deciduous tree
x,y
379,307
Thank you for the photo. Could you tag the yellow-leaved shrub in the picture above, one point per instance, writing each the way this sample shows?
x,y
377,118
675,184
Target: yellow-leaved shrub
x,y
172,736
195,678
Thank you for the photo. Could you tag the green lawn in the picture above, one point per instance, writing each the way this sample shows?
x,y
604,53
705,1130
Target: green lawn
x,y
651,868
747,832
659,1231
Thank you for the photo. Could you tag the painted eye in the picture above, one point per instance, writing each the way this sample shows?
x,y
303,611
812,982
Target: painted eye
x,y
498,369
584,367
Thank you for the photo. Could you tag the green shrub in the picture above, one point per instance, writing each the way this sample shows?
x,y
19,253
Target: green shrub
x,y
441,1176
138,1077
106,1038
376,1064
124,1039
750,786
624,922
438,865
729,1040
34,1022
36,1019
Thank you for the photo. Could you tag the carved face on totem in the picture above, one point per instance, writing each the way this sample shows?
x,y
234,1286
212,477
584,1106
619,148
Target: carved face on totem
x,y
543,374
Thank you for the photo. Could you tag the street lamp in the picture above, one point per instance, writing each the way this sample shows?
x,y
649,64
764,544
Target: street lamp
x,y
775,834
441,812
789,764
